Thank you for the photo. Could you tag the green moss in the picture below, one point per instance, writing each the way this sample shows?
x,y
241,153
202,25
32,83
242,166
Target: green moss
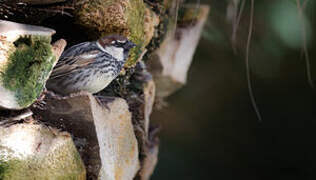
x,y
30,169
3,168
64,164
7,168
28,68
136,27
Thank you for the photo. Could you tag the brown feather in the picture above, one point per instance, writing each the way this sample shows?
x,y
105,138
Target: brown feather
x,y
71,64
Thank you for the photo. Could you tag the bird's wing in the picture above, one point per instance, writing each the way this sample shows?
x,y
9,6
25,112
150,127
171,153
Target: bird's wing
x,y
68,56
74,59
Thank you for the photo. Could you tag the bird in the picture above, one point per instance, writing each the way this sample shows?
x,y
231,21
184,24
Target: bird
x,y
90,66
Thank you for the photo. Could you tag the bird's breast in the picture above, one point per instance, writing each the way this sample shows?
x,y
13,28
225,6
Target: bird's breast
x,y
97,83
101,76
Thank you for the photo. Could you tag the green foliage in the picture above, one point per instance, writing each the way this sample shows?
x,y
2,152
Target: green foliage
x,y
28,68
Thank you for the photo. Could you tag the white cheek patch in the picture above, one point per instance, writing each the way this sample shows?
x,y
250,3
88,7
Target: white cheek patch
x,y
115,52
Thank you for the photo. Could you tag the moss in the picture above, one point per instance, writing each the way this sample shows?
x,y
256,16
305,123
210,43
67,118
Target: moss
x,y
136,26
3,168
189,15
63,163
8,168
159,36
130,18
39,169
28,67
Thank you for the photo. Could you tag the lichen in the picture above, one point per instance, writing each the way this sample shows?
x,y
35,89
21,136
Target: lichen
x,y
28,67
130,18
67,165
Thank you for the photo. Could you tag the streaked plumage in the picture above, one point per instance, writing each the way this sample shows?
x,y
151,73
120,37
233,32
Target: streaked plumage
x,y
90,66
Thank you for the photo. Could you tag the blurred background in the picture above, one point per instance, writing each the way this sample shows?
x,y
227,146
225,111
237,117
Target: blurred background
x,y
210,129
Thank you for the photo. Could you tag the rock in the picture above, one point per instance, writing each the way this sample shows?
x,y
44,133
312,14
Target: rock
x,y
11,31
58,48
149,99
149,156
170,63
141,99
32,151
26,61
130,18
104,133
138,89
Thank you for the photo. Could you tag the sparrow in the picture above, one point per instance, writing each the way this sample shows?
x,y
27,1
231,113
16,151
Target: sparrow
x,y
90,66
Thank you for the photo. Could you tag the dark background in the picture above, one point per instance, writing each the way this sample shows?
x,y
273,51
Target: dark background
x,y
210,129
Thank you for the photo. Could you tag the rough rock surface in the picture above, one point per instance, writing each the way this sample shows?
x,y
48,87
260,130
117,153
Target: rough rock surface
x,y
103,133
170,63
31,151
26,61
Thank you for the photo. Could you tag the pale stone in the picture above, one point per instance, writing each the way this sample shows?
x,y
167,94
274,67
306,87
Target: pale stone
x,y
24,69
170,63
104,133
33,151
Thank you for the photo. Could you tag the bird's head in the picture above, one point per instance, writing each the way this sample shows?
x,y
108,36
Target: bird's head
x,y
116,45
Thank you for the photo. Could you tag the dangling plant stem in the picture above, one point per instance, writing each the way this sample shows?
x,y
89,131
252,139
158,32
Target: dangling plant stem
x,y
308,68
236,24
251,95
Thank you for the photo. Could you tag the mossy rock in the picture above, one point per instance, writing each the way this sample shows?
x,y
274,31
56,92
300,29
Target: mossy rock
x,y
130,18
189,15
29,151
25,65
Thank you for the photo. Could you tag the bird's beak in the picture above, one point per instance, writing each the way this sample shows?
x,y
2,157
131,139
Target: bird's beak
x,y
129,45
